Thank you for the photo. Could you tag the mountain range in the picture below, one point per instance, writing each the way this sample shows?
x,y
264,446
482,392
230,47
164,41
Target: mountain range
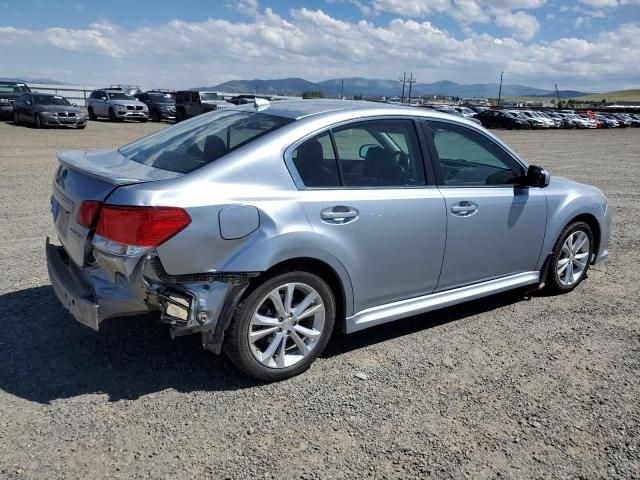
x,y
376,87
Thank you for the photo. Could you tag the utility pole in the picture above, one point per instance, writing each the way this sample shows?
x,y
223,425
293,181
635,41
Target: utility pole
x,y
500,91
411,82
341,89
557,93
404,82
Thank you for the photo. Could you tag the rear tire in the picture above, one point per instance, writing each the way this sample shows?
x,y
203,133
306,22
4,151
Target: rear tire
x,y
15,118
180,115
274,340
570,258
92,115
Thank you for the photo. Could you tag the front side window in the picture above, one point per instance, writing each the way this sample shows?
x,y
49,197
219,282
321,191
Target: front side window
x,y
201,140
379,153
465,157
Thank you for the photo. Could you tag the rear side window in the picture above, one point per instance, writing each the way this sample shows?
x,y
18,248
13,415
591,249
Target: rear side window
x,y
316,163
468,158
201,140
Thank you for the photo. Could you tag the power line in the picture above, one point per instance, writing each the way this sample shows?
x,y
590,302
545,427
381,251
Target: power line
x,y
403,79
411,82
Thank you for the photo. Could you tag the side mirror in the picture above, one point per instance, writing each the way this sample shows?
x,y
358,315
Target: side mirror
x,y
74,104
362,153
537,177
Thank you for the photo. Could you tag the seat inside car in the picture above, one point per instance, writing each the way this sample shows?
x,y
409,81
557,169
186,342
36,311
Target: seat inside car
x,y
382,167
310,164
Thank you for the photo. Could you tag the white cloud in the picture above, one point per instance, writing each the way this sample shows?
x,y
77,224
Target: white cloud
x,y
523,25
317,46
246,7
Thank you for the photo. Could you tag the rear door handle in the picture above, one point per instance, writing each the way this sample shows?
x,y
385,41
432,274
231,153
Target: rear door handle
x,y
464,208
339,214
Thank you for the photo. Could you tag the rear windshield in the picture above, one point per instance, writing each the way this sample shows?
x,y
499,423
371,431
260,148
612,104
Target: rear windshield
x,y
201,140
13,88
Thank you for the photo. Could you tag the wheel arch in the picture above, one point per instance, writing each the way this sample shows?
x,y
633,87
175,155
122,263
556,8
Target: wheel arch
x,y
324,271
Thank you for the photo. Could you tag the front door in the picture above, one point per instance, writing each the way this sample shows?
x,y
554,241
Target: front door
x,y
495,227
364,189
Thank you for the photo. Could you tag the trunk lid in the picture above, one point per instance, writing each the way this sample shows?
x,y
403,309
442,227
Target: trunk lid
x,y
91,176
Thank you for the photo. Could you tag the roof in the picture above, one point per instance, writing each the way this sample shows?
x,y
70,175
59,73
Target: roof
x,y
297,109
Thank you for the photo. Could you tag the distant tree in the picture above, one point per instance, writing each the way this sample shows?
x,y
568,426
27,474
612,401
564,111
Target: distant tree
x,y
560,105
313,94
604,100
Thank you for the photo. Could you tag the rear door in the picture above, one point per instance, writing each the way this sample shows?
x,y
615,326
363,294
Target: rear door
x,y
364,188
495,227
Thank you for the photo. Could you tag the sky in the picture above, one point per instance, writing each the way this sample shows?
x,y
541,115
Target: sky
x,y
589,45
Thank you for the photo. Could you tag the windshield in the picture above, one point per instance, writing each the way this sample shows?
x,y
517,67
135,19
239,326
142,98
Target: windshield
x,y
159,98
50,100
209,96
120,96
197,142
13,88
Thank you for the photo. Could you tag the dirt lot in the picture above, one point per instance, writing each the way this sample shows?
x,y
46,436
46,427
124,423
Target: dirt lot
x,y
504,387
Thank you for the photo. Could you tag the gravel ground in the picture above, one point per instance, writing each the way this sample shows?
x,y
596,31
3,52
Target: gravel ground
x,y
516,387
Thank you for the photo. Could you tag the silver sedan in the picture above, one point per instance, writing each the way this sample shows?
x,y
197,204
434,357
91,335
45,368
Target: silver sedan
x,y
264,227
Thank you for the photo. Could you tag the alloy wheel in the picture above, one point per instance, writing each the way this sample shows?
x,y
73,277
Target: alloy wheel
x,y
287,325
573,259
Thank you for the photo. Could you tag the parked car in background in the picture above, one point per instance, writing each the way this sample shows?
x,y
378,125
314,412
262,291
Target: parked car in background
x,y
130,89
501,119
116,105
46,110
557,123
190,103
564,122
607,122
627,119
465,112
162,106
457,113
246,99
537,120
263,227
584,121
9,92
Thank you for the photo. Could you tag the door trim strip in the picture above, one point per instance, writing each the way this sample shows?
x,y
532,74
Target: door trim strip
x,y
426,303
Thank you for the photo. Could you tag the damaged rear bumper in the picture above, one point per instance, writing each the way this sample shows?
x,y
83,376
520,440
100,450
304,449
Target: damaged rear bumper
x,y
117,287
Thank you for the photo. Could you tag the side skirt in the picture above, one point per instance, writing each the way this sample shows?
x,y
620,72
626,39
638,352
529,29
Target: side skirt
x,y
413,306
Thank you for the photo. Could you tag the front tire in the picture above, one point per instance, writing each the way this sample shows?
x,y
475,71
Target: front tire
x,y
37,122
570,259
281,326
16,120
92,115
112,115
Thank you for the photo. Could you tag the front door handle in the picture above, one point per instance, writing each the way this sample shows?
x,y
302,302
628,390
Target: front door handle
x,y
339,214
464,208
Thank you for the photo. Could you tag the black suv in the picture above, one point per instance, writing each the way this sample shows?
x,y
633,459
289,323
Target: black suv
x,y
9,92
190,103
161,103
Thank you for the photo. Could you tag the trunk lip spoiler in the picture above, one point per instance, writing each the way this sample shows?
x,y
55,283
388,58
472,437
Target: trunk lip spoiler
x,y
78,160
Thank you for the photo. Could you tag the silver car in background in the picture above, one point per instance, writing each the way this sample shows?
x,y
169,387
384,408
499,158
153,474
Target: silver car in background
x,y
264,227
116,105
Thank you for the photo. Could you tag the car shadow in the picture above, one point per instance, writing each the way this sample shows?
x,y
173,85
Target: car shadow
x,y
45,355
342,343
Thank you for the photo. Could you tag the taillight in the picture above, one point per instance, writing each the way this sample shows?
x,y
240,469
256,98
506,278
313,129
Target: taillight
x,y
88,212
141,226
